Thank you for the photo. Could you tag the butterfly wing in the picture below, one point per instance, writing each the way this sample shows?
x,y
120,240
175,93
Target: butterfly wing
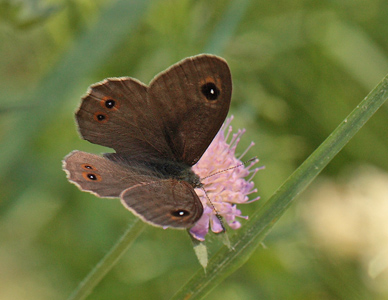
x,y
100,175
115,113
191,100
175,118
164,203
161,202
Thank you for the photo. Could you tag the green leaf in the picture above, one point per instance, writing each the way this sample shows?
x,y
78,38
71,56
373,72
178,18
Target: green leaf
x,y
200,250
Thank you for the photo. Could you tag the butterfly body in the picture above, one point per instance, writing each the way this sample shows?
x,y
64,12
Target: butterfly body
x,y
162,168
158,132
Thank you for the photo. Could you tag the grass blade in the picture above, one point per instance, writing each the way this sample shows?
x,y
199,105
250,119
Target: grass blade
x,y
108,262
225,261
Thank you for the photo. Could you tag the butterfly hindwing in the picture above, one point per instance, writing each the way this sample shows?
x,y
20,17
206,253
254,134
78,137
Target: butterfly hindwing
x,y
165,203
102,176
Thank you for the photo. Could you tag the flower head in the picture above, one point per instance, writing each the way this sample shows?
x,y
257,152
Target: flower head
x,y
223,176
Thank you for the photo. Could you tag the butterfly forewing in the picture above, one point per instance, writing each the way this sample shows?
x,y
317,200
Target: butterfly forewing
x,y
115,113
176,117
192,100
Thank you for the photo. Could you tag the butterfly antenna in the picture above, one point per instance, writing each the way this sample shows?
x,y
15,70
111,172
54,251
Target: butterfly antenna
x,y
231,168
216,211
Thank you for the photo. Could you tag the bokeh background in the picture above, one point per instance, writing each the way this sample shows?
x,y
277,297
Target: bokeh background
x,y
299,67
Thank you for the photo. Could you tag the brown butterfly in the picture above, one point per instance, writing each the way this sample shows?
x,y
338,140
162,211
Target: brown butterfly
x,y
158,132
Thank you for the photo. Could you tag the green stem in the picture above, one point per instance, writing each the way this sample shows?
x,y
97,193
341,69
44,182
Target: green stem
x,y
215,45
107,263
251,235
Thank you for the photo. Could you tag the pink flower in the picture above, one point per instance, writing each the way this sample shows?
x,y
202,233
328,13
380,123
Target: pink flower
x,y
225,188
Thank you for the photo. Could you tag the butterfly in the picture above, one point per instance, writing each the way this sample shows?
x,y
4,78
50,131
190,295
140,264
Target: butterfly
x,y
158,133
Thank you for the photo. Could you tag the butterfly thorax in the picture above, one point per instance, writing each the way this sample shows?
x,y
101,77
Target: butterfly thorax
x,y
176,170
162,168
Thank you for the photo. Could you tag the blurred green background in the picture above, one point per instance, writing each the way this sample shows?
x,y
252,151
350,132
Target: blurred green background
x,y
299,67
